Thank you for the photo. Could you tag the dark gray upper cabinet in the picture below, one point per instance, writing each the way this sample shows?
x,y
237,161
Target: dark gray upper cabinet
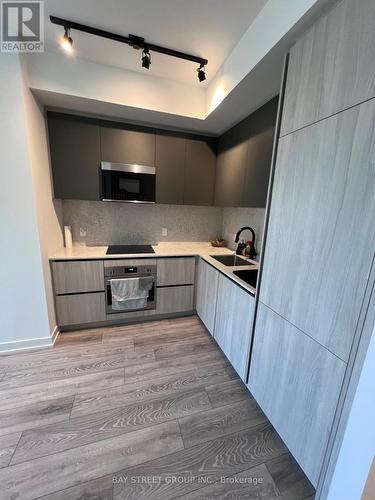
x,y
230,171
75,156
127,146
170,167
244,159
200,166
259,155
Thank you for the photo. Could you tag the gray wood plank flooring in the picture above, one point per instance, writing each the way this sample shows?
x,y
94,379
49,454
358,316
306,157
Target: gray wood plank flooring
x,y
81,420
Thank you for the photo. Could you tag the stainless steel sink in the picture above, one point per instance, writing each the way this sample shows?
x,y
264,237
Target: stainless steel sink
x,y
231,260
248,275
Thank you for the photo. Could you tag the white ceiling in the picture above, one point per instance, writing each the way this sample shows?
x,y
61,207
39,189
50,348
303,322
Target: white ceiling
x,y
206,28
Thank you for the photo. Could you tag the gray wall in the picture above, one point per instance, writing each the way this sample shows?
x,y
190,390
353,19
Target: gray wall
x,y
107,223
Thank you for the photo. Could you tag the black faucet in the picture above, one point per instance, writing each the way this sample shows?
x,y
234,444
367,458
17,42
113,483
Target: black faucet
x,y
253,252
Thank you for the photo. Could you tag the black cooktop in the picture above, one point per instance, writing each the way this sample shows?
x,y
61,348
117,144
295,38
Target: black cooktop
x,y
123,249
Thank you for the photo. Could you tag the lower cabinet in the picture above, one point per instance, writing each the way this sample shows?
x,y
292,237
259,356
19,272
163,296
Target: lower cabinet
x,y
297,383
207,283
175,299
80,308
176,271
233,323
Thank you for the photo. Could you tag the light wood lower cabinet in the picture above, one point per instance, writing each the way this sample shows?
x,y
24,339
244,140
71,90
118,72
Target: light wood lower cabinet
x,y
80,308
207,284
233,323
176,271
175,299
297,383
78,276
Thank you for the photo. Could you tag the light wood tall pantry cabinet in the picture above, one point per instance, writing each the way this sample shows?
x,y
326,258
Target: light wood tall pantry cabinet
x,y
332,67
321,234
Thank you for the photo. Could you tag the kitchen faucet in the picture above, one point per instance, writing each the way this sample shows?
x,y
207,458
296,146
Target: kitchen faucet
x,y
253,252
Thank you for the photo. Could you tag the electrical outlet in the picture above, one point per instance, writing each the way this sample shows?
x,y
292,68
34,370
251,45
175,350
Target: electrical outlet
x,y
82,232
164,231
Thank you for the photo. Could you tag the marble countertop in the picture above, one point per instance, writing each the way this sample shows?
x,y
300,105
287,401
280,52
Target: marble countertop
x,y
164,249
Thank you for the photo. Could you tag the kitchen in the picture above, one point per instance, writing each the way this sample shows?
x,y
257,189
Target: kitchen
x,y
190,289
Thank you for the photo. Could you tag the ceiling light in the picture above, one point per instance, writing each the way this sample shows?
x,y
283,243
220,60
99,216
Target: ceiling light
x,y
201,73
67,42
146,58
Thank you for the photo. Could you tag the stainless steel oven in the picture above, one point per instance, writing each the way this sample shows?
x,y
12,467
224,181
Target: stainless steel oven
x,y
124,272
127,183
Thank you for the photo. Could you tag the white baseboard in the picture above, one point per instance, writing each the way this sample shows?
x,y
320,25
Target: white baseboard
x,y
22,345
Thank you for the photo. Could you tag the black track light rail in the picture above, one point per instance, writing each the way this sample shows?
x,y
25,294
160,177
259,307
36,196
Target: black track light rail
x,y
134,41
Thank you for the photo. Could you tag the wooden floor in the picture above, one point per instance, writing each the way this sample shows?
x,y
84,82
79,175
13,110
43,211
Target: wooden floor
x,y
152,410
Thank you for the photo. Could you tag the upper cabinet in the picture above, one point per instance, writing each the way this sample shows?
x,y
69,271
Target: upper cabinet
x,y
188,169
170,169
75,156
200,166
230,171
332,67
127,146
244,160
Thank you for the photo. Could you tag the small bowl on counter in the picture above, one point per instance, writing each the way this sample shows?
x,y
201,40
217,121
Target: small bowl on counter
x,y
219,243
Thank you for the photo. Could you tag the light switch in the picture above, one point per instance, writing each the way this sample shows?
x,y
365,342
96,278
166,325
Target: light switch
x,y
82,232
164,231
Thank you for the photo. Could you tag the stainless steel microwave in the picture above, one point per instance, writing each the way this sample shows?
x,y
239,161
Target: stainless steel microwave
x,y
127,183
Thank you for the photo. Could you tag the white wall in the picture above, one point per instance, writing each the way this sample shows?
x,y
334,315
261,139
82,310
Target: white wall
x,y
23,308
48,211
358,446
71,76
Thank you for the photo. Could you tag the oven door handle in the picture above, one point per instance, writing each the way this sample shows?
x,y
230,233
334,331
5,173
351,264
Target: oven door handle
x,y
109,295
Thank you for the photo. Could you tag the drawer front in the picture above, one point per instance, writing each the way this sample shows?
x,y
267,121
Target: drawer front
x,y
78,276
81,308
178,271
175,299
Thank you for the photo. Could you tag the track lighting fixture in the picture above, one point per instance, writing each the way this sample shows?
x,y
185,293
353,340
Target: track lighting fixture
x,y
201,73
134,41
146,58
67,42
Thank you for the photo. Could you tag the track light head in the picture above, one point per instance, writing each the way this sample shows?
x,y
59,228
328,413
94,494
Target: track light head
x,y
201,73
146,58
67,41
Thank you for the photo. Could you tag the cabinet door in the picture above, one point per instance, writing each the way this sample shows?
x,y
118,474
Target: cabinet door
x,y
259,155
78,276
75,157
230,171
321,236
207,283
176,271
170,169
175,299
233,323
332,66
199,172
80,309
127,146
297,383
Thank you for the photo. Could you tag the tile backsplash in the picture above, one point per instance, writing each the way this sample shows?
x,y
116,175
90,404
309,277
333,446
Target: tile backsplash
x,y
116,223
